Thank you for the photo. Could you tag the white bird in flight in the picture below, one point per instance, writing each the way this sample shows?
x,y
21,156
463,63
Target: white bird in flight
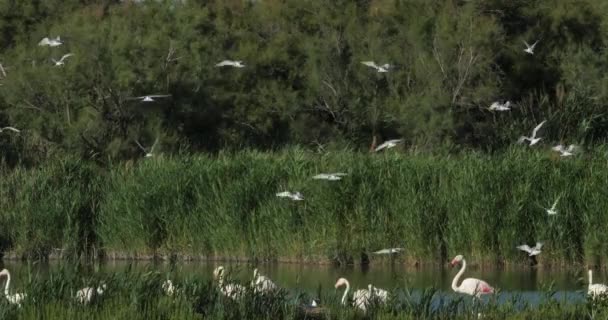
x,y
387,144
148,153
231,63
11,129
61,62
50,42
295,196
330,176
534,251
383,68
389,251
497,106
530,48
565,152
552,211
150,98
532,139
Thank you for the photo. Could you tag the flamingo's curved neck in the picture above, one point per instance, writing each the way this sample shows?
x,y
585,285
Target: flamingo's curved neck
x,y
345,292
590,277
457,277
220,279
8,282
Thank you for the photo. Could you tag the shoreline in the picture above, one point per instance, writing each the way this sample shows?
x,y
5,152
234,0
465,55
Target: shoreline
x,y
485,264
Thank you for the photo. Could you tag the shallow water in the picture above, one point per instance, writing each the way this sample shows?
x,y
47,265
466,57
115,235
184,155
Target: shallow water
x,y
525,285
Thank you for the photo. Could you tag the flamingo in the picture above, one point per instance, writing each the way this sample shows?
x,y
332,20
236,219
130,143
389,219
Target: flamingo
x,y
16,298
168,287
532,139
597,289
87,294
471,286
233,291
497,106
362,298
261,283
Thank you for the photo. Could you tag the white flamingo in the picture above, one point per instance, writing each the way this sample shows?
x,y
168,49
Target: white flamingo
x,y
233,291
16,298
497,106
261,283
168,287
532,139
565,152
530,48
362,298
388,144
87,294
532,251
471,286
597,289
231,63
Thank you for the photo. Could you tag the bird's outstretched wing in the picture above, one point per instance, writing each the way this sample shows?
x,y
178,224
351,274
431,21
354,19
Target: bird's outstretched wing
x,y
140,146
558,148
11,129
538,128
525,248
538,246
44,42
534,44
370,64
159,96
225,63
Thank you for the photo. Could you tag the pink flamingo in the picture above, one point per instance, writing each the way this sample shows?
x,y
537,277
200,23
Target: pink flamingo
x,y
470,286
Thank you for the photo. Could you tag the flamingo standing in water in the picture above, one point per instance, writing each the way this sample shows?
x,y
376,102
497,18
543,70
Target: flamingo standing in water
x,y
16,298
261,283
471,286
233,291
362,298
87,294
597,289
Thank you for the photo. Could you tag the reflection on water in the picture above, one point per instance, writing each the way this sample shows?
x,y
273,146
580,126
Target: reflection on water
x,y
528,284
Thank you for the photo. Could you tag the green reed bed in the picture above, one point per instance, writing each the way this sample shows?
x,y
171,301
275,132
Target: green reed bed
x,y
139,295
435,206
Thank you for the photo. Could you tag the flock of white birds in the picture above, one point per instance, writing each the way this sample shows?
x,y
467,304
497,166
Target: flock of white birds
x,y
361,297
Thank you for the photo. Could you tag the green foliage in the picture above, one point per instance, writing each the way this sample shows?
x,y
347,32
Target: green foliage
x,y
303,82
225,206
